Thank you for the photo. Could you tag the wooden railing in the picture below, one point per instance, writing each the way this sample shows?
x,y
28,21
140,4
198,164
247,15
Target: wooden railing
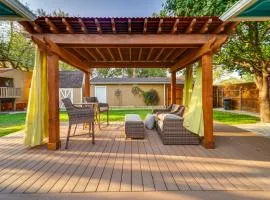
x,y
10,92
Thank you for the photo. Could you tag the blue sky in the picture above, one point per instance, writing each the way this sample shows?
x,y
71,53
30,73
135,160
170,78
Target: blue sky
x,y
99,8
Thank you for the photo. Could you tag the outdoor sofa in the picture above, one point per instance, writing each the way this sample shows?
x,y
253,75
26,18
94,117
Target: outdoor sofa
x,y
169,125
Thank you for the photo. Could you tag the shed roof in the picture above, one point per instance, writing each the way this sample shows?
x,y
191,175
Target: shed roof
x,y
71,79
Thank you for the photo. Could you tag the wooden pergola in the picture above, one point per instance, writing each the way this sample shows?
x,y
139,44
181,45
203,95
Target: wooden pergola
x,y
87,43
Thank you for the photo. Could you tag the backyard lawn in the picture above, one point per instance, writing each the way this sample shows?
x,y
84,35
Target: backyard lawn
x,y
10,123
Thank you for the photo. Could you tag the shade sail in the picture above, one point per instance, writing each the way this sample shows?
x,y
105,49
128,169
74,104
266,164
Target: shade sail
x,y
248,10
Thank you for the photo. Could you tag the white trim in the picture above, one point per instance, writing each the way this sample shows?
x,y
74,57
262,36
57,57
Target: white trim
x,y
61,93
106,92
238,7
20,9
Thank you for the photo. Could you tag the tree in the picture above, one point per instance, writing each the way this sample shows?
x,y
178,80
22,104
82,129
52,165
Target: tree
x,y
16,48
130,72
246,52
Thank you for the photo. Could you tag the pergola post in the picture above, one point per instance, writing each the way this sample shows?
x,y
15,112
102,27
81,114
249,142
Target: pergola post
x,y
54,142
207,100
86,85
173,87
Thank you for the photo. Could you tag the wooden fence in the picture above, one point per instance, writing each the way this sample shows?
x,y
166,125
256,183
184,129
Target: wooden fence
x,y
244,96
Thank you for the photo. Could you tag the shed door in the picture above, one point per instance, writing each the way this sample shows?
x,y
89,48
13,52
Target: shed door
x,y
65,93
101,94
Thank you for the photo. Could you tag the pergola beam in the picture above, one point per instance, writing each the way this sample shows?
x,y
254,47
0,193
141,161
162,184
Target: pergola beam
x,y
130,40
149,54
129,25
113,25
100,54
68,26
204,29
120,53
145,25
111,54
194,55
98,26
83,27
221,28
190,26
159,54
37,28
62,53
174,29
160,26
91,54
125,64
53,28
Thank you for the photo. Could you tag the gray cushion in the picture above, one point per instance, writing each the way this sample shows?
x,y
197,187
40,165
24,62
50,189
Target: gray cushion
x,y
149,121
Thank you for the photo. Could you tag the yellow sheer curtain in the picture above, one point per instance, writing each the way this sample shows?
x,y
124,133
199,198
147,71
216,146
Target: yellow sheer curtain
x,y
193,118
187,87
37,111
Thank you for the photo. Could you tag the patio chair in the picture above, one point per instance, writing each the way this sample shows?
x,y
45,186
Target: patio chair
x,y
102,107
79,115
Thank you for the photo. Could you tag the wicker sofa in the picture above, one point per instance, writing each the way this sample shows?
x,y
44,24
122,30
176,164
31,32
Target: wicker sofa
x,y
171,130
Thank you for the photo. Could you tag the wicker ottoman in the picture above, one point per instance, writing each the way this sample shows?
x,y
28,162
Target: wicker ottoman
x,y
134,126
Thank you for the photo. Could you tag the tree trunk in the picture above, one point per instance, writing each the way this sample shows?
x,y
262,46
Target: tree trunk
x,y
264,99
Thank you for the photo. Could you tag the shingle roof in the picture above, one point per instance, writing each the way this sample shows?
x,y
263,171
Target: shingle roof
x,y
71,79
127,80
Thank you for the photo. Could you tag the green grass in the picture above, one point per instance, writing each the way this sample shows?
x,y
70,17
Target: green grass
x,y
10,123
234,119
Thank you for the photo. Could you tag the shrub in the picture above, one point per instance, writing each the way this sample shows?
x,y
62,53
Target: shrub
x,y
151,97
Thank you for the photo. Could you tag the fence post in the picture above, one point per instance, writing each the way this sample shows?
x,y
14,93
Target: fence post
x,y
240,92
217,103
222,97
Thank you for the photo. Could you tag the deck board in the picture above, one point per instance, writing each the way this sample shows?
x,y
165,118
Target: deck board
x,y
241,161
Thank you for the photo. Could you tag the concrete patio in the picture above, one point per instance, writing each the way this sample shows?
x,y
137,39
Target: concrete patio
x,y
241,162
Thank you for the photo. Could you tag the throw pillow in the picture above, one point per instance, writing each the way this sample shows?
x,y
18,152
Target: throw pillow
x,y
149,121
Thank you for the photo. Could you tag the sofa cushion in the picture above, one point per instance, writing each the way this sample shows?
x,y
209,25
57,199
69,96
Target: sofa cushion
x,y
149,121
132,118
176,108
167,116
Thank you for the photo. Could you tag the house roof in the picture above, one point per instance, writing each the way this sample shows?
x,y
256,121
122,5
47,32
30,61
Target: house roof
x,y
14,10
71,79
137,80
248,10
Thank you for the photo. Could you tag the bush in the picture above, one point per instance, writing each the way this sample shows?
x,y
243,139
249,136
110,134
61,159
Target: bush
x,y
151,97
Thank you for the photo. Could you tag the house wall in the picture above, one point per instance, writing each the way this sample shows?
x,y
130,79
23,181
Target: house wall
x,y
126,98
21,80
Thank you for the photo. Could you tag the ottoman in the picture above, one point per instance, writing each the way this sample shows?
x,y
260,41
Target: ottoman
x,y
134,126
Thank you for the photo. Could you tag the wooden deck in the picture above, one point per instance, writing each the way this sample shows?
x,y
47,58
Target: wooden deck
x,y
241,161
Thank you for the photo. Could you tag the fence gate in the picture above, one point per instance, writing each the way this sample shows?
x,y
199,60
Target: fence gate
x,y
65,93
